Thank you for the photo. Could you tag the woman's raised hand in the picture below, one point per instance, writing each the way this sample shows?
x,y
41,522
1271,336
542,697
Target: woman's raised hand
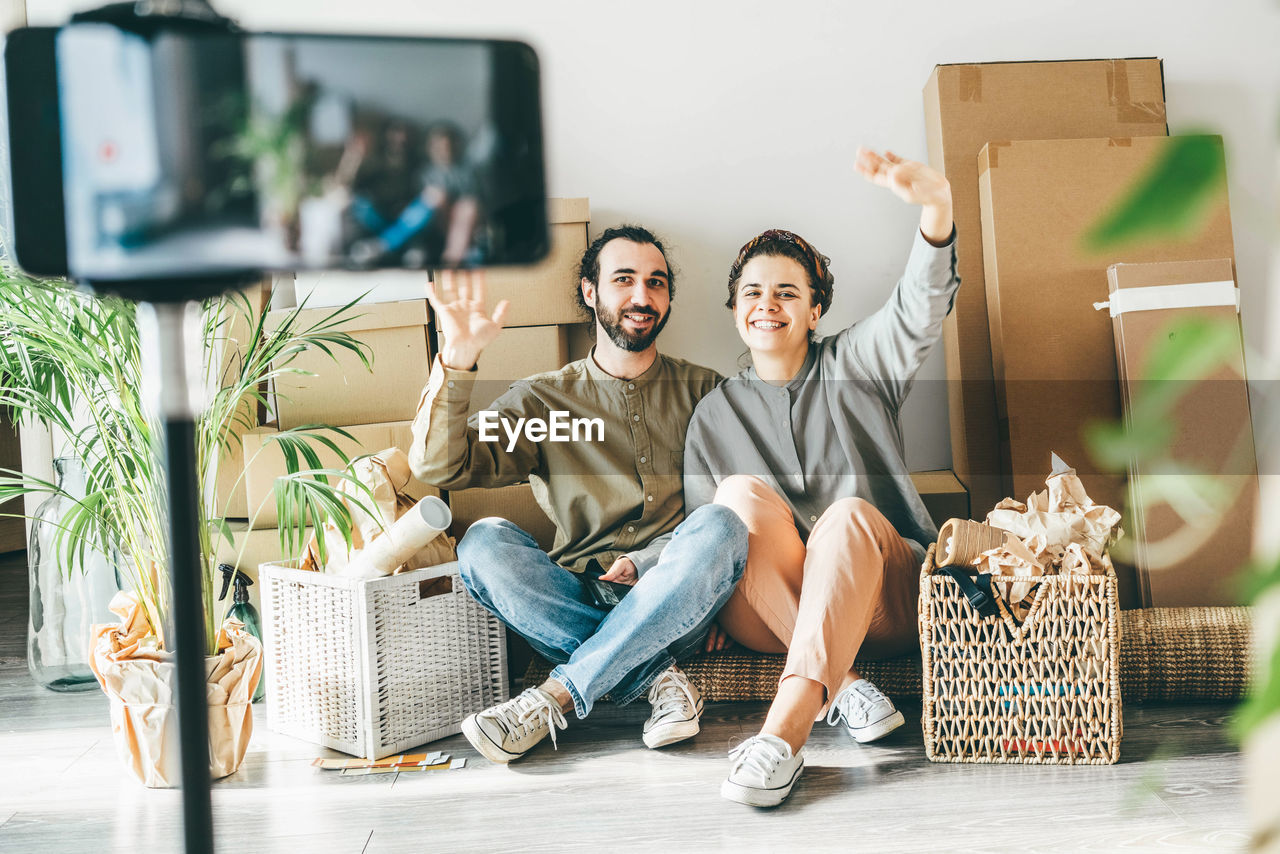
x,y
913,182
458,297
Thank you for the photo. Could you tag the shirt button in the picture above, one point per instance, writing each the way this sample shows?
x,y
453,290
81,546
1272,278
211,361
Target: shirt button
x,y
644,459
631,385
648,498
631,529
450,383
635,417
813,518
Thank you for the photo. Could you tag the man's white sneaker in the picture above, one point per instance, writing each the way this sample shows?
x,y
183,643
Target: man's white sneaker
x,y
510,730
867,713
762,771
677,705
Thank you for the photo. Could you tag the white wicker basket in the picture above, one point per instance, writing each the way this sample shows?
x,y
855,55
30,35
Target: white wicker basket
x,y
376,667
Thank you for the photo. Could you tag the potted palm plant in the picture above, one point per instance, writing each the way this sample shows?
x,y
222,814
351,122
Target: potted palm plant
x,y
73,362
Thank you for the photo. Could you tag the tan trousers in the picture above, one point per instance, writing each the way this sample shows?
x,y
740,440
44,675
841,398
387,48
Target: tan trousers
x,y
853,588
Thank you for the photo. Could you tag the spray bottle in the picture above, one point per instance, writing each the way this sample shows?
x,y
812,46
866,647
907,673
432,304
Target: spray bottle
x,y
242,610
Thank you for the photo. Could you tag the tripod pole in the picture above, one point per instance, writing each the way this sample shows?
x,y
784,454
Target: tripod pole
x,y
171,360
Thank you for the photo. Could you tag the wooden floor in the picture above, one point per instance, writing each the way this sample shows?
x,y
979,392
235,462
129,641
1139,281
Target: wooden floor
x,y
62,789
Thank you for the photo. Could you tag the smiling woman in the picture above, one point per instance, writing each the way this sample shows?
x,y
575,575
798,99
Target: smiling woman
x,y
805,447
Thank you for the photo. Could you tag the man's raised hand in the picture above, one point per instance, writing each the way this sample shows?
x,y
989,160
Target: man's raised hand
x,y
458,297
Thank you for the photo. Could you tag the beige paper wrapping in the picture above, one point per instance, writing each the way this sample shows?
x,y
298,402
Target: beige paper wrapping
x,y
1058,530
410,535
384,474
138,677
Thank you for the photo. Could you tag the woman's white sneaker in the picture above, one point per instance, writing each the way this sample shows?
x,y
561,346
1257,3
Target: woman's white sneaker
x,y
868,714
762,771
677,706
510,730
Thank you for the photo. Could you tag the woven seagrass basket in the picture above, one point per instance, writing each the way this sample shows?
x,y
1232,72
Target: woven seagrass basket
x,y
1046,691
374,667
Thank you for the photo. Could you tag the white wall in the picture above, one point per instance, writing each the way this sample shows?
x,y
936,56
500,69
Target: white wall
x,y
712,121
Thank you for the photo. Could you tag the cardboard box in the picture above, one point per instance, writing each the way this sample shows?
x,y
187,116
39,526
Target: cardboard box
x,y
515,354
513,503
1187,558
265,462
228,489
944,495
249,550
1053,353
325,288
13,531
343,392
542,294
967,106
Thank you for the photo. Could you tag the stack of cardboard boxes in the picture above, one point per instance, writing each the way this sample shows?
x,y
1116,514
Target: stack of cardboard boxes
x,y
1037,154
542,332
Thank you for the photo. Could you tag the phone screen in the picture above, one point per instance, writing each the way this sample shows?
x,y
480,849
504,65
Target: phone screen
x,y
201,154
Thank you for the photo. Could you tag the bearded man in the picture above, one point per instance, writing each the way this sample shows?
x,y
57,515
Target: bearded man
x,y
630,584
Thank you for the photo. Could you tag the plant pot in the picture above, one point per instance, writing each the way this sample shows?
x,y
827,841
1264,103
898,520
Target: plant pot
x,y
140,681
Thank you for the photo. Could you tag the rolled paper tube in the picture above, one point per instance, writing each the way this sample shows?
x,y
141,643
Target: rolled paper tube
x,y
418,526
962,540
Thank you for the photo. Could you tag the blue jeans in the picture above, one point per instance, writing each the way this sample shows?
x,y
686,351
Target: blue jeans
x,y
619,651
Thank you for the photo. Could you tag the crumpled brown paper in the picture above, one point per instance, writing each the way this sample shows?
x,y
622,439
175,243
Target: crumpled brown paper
x,y
385,474
139,679
1057,530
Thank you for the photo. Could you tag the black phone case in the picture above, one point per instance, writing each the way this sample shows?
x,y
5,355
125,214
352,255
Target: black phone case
x,y
603,594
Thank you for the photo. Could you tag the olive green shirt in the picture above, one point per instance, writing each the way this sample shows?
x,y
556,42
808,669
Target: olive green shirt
x,y
608,498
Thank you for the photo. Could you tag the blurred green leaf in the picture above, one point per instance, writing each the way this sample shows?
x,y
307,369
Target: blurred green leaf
x,y
1191,349
1263,701
1258,577
1115,446
1169,200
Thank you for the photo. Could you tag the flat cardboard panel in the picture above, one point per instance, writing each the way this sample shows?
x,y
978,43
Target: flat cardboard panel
x,y
513,503
265,463
343,392
1189,561
944,495
1054,355
515,354
967,106
1055,366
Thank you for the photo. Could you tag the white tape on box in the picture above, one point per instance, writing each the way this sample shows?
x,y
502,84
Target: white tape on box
x,y
1193,295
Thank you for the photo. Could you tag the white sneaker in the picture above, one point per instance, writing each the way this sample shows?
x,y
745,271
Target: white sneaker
x,y
763,772
510,730
867,713
677,705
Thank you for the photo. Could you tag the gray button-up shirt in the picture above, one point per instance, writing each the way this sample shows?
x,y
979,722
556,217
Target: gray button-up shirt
x,y
832,432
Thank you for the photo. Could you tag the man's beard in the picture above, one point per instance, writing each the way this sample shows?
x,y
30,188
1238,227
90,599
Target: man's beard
x,y
630,341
